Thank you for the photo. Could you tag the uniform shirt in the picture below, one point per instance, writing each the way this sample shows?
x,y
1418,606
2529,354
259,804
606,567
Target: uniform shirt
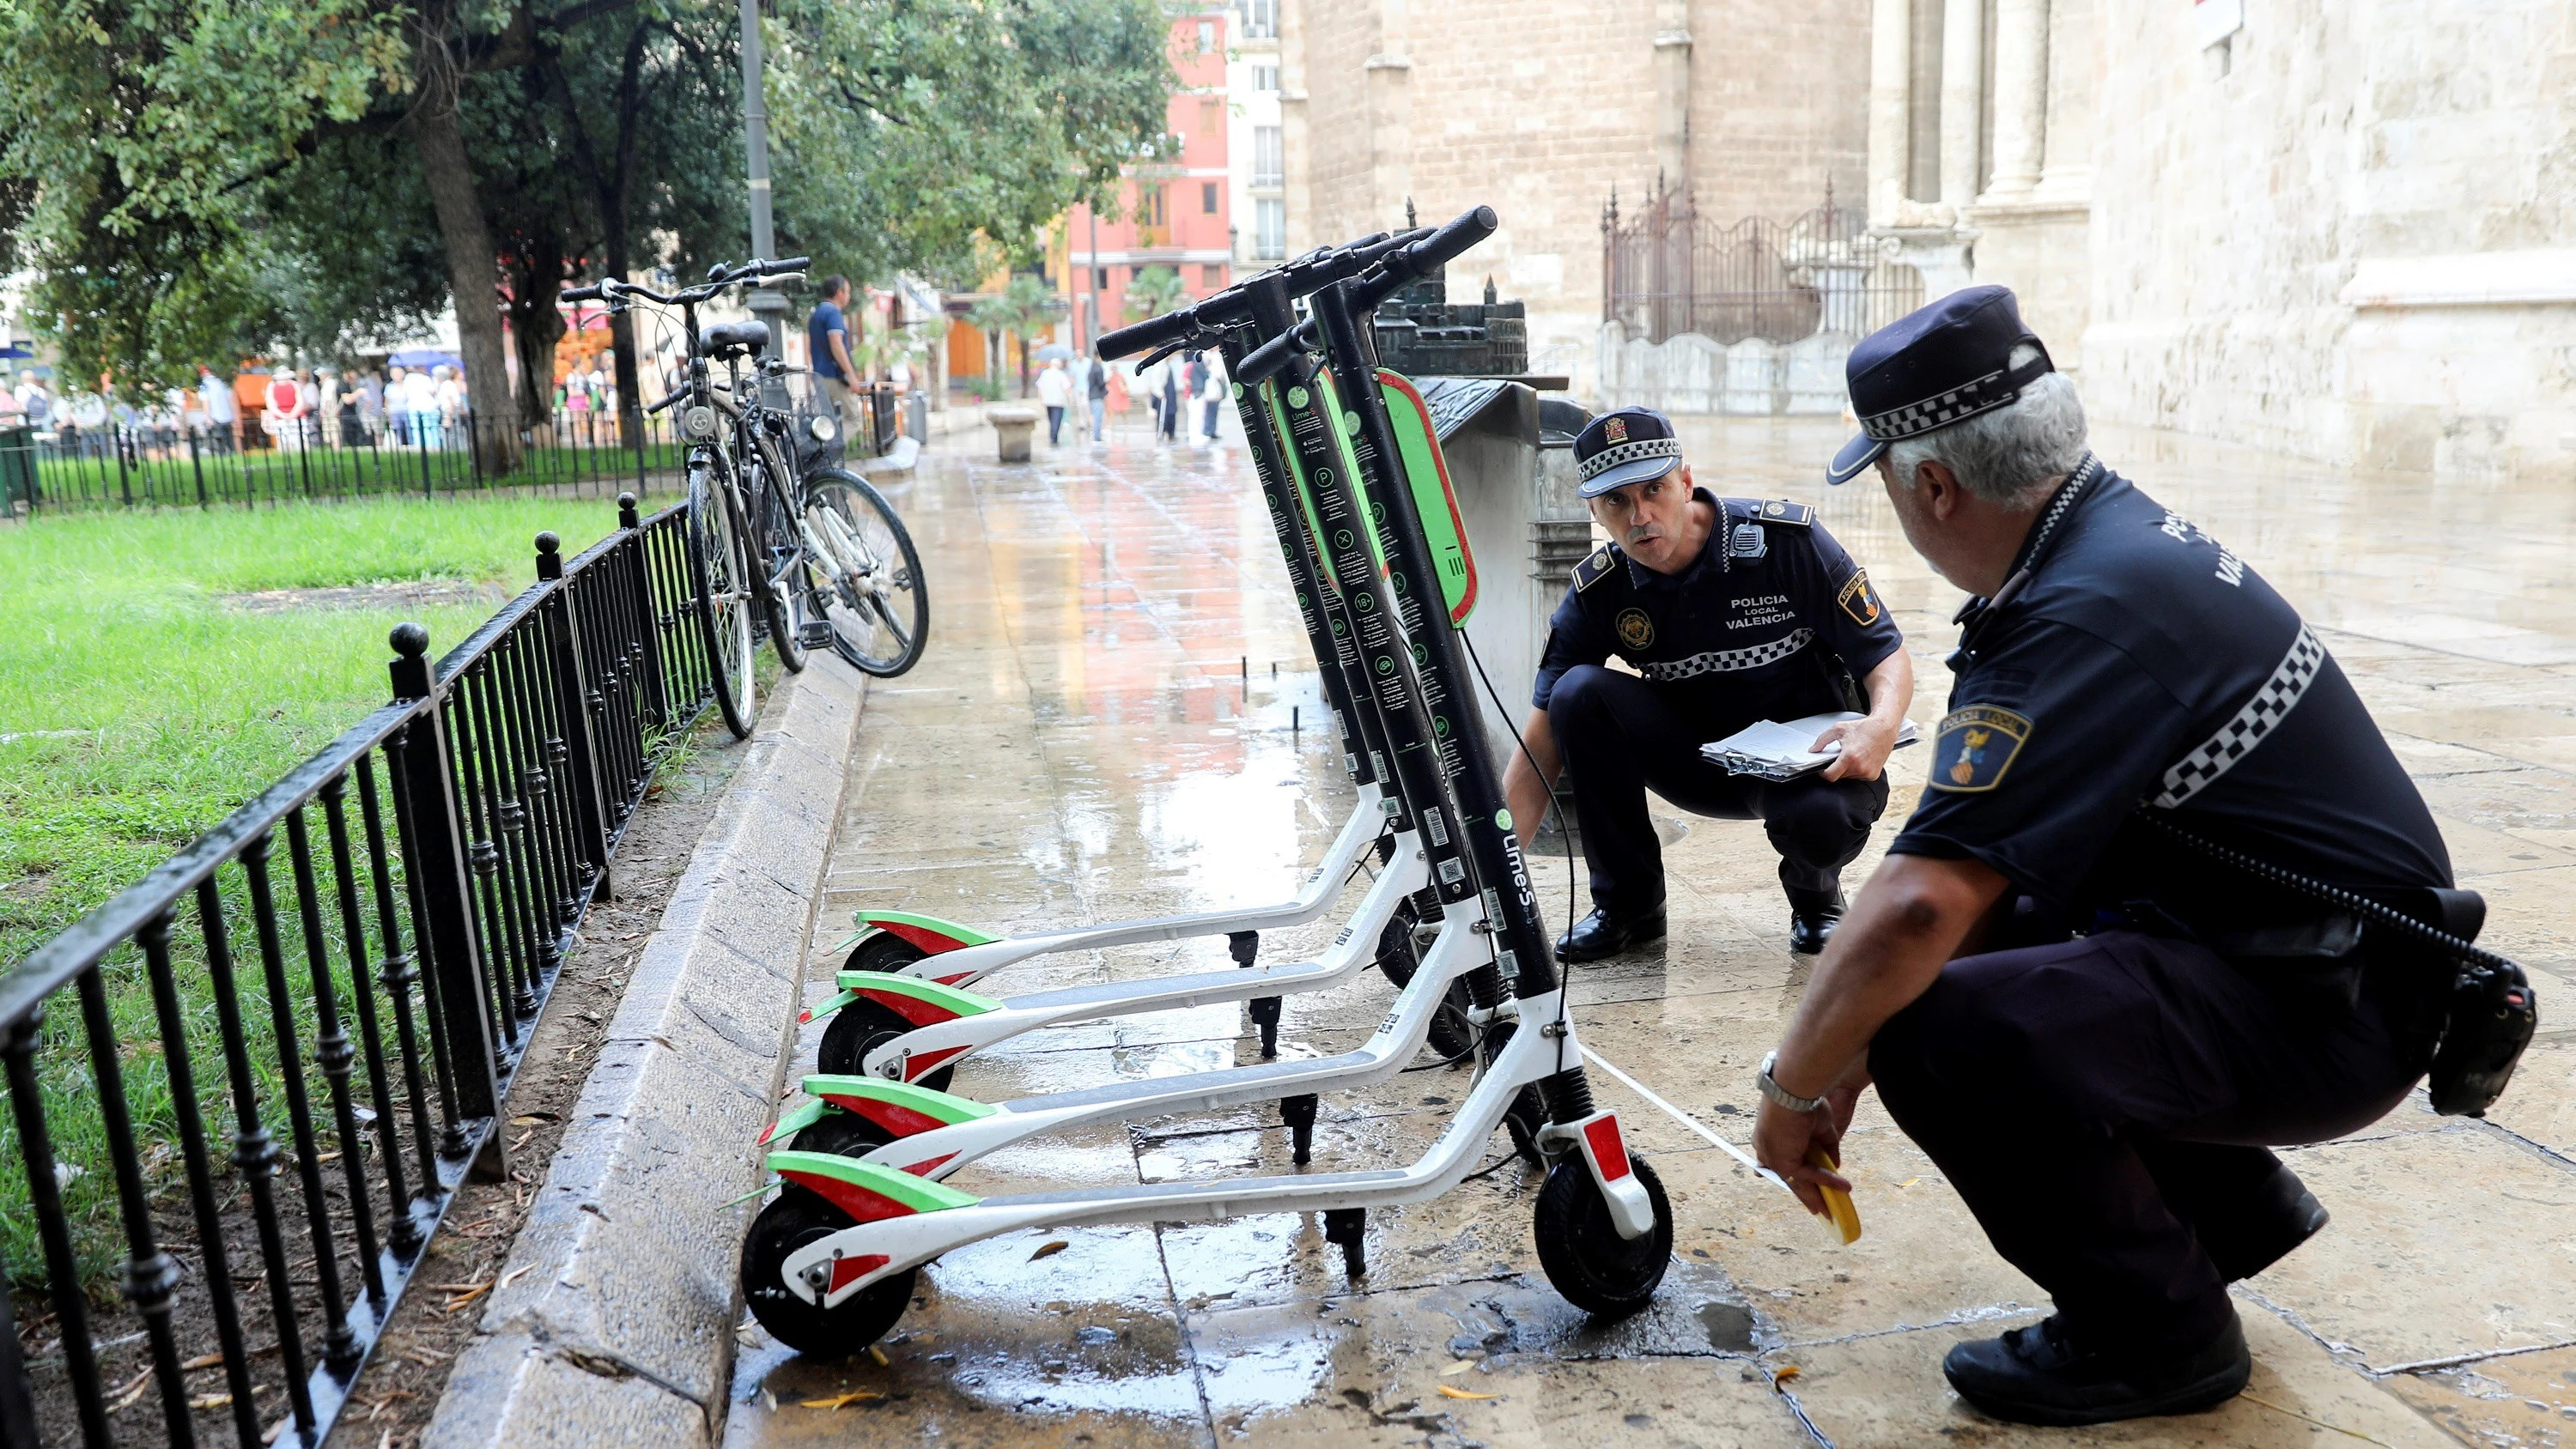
x,y
2145,665
1764,624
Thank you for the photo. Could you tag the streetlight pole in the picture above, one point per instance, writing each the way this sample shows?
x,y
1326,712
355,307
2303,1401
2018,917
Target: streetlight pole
x,y
767,303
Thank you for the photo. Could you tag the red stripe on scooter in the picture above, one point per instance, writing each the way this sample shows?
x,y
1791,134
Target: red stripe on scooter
x,y
849,1197
1602,1133
924,1169
911,1008
917,1067
931,942
850,1270
900,1120
953,980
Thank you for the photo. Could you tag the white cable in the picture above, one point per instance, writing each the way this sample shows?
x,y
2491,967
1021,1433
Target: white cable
x,y
1687,1120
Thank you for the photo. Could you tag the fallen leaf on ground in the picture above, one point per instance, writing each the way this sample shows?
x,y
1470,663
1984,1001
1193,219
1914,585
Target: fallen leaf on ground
x,y
876,1355
201,1361
1452,1391
513,1275
838,1401
1049,1249
1909,1182
1460,1367
2320,1423
1783,1374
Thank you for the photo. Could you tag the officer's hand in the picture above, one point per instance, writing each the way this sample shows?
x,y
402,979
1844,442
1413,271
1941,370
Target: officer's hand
x,y
1866,745
1782,1140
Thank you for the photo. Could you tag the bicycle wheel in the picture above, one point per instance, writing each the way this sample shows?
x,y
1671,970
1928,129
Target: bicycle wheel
x,y
869,585
724,597
783,593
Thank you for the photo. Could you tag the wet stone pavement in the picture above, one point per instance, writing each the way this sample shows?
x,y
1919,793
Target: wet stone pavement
x,y
1097,733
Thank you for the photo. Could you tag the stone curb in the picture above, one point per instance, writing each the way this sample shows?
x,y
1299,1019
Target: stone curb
x,y
614,1319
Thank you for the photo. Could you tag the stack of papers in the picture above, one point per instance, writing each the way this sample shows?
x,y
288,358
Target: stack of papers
x,y
1777,751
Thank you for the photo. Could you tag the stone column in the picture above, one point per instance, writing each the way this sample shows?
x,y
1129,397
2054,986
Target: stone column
x,y
1672,92
1963,65
1891,78
2021,98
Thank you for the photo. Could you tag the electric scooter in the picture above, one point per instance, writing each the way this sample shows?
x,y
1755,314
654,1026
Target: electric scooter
x,y
831,1266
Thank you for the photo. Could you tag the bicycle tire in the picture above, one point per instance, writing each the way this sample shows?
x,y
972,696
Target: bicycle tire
x,y
780,555
724,608
877,603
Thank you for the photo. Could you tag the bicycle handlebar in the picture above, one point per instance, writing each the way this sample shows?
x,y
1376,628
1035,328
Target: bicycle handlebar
x,y
580,294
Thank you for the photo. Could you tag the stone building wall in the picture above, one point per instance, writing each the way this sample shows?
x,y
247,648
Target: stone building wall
x,y
2348,231
1543,109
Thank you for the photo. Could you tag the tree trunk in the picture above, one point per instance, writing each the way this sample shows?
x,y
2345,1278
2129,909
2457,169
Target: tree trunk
x,y
473,277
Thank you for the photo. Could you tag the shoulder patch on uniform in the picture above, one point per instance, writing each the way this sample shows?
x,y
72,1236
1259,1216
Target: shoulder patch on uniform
x,y
1974,746
1857,602
1781,510
1594,565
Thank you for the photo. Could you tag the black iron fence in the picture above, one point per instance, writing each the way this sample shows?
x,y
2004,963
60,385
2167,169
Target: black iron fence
x,y
355,960
272,460
1667,270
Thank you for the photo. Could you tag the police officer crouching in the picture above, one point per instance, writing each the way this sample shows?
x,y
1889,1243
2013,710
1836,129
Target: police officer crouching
x,y
1731,610
2090,1022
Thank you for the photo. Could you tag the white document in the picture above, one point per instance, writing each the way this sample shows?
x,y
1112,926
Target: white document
x,y
1778,751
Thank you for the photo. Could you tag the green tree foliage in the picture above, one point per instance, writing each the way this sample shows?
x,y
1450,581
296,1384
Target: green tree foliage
x,y
1155,291
1025,308
191,181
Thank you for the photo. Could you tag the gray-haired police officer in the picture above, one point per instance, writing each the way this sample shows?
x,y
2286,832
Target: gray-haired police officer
x,y
2092,1026
1732,610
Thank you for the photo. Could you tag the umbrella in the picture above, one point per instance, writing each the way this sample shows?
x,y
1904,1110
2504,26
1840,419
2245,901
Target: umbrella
x,y
426,357
1053,352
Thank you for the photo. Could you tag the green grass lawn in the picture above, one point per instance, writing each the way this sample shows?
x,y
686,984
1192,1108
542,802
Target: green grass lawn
x,y
172,478
139,703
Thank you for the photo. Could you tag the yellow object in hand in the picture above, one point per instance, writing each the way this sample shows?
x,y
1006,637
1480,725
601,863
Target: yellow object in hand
x,y
1838,1203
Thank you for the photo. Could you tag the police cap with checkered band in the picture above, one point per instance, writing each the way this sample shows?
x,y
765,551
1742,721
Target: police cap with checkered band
x,y
1624,446
1942,363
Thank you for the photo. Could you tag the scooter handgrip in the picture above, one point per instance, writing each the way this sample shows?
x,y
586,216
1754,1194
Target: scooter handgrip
x,y
1265,361
1151,333
1438,248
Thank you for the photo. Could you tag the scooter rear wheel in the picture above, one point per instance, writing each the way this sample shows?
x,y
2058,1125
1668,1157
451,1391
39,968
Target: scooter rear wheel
x,y
1579,1245
883,951
1452,1033
784,1226
855,1031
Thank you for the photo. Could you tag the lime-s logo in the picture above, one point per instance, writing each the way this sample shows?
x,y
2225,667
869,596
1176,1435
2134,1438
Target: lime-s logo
x,y
1350,422
1502,820
1296,397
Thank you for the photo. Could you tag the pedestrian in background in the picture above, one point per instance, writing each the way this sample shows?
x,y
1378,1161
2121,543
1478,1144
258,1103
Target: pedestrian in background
x,y
1212,390
1167,398
449,393
283,411
352,422
223,409
371,399
1095,388
1055,390
827,345
1119,397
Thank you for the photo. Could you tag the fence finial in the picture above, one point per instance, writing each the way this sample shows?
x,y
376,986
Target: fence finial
x,y
626,516
549,555
410,665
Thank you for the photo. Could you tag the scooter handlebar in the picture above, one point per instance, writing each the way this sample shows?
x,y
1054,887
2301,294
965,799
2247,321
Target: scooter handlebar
x,y
1449,241
1264,362
1151,333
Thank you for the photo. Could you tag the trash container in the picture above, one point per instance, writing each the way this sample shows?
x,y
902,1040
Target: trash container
x,y
17,468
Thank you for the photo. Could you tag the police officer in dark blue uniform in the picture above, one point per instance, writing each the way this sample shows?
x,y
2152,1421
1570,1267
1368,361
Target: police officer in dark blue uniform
x,y
2091,1024
1731,610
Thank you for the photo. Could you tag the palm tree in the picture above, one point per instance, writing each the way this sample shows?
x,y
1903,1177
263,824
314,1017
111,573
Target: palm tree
x,y
1155,291
1025,309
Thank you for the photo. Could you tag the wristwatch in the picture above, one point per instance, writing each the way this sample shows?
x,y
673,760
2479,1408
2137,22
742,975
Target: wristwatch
x,y
1772,1089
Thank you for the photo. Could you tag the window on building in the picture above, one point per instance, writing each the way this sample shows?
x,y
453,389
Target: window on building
x,y
1211,117
1267,167
1149,206
1260,19
1211,276
1265,77
1207,36
1207,198
1100,279
1269,229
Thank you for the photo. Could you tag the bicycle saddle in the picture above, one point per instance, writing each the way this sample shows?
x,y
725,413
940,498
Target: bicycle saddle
x,y
721,336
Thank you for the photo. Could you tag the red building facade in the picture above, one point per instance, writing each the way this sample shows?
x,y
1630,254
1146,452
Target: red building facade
x,y
1174,210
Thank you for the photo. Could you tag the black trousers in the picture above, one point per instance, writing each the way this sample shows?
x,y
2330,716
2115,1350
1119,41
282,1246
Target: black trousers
x,y
1621,738
2104,1106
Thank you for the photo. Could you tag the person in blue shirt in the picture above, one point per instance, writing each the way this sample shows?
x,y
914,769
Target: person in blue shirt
x,y
827,348
2092,1023
1729,611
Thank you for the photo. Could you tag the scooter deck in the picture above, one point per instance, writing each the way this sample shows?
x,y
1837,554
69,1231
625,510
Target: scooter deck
x,y
948,1137
949,1025
960,956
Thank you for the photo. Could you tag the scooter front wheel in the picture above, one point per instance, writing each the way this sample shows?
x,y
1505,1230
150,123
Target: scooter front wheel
x,y
856,1030
1579,1245
843,1134
791,1222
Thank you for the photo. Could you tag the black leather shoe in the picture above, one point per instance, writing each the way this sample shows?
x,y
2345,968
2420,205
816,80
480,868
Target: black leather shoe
x,y
1811,924
2036,1375
1597,936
